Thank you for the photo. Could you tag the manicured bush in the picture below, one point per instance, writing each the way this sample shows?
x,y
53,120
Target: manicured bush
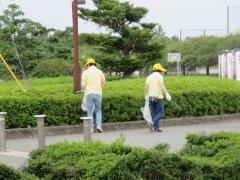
x,y
214,156
218,154
101,161
76,160
7,173
197,96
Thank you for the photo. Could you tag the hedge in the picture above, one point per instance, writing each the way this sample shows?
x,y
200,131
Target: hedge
x,y
218,154
7,173
197,96
96,160
101,161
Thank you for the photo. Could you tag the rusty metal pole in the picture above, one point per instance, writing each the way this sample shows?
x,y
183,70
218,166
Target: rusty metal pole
x,y
77,70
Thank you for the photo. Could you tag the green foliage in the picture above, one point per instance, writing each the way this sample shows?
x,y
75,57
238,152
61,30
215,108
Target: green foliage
x,y
230,42
131,47
197,96
52,68
164,147
7,173
101,161
201,51
79,160
218,153
96,160
29,42
198,51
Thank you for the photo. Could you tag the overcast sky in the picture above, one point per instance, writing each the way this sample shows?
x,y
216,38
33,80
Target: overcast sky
x,y
172,15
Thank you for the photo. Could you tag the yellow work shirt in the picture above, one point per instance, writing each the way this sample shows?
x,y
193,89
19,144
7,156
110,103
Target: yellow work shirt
x,y
153,83
92,81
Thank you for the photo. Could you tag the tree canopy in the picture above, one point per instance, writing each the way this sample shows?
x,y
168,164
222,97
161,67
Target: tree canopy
x,y
130,44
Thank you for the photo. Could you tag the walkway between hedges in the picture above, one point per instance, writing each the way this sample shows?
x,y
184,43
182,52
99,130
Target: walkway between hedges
x,y
174,136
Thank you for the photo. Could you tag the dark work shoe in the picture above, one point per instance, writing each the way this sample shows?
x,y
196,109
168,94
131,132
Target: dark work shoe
x,y
150,126
157,130
99,129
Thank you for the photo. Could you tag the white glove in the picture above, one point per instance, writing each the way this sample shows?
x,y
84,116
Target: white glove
x,y
168,97
146,98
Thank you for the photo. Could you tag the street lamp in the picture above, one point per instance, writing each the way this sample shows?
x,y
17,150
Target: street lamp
x,y
77,70
228,17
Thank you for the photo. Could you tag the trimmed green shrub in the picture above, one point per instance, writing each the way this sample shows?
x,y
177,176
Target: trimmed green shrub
x,y
197,96
7,173
97,160
101,161
218,153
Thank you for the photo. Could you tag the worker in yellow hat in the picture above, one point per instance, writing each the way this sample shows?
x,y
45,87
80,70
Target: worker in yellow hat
x,y
89,62
93,80
155,91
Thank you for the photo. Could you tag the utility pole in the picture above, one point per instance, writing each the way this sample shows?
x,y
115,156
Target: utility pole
x,y
77,69
228,17
204,32
180,35
228,28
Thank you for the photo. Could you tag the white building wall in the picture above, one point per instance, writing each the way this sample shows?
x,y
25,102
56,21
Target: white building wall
x,y
229,65
237,58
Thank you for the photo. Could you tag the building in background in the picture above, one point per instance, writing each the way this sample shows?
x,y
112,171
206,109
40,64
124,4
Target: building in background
x,y
229,64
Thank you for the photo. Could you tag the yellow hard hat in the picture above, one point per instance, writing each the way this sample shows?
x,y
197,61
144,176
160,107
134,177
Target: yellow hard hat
x,y
89,61
158,67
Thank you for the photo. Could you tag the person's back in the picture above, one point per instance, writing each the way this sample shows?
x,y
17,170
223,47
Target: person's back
x,y
154,90
154,82
92,81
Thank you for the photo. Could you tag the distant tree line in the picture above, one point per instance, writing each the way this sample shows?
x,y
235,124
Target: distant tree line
x,y
130,44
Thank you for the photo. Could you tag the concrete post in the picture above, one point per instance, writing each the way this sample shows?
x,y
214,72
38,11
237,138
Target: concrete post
x,y
41,130
2,132
87,128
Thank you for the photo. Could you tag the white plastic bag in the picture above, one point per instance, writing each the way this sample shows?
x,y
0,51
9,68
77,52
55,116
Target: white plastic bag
x,y
84,104
146,111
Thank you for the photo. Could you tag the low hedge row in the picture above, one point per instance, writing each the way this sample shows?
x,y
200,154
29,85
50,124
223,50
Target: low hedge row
x,y
7,173
204,157
219,153
197,96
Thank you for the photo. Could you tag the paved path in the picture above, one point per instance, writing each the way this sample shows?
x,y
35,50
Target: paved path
x,y
174,136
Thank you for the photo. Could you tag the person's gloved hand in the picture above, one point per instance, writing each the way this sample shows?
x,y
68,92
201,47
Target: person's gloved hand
x,y
146,97
168,97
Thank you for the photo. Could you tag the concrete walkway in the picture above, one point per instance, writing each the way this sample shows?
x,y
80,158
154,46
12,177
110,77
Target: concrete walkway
x,y
18,149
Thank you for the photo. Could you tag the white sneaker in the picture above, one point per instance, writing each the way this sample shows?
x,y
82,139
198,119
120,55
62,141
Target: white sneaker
x,y
99,129
150,126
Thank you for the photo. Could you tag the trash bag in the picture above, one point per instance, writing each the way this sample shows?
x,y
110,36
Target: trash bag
x,y
146,111
84,104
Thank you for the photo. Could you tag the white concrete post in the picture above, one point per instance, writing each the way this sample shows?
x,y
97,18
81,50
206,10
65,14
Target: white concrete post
x,y
87,128
2,132
41,130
